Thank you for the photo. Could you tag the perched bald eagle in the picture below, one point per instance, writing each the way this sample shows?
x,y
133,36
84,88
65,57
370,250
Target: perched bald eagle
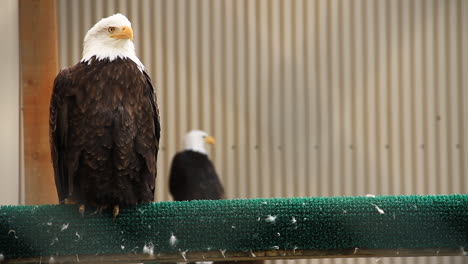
x,y
104,123
192,175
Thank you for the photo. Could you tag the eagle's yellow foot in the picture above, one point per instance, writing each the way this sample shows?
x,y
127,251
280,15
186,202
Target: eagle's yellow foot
x,y
82,209
116,211
69,201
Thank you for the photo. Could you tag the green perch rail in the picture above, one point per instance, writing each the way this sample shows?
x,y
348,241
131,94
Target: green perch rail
x,y
242,229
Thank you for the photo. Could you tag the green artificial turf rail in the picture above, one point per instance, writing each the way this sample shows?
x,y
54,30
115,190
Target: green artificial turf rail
x,y
243,225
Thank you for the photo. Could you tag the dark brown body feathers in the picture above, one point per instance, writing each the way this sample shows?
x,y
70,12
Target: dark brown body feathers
x,y
104,133
193,177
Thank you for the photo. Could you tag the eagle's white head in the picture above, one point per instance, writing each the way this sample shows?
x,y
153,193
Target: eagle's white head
x,y
110,38
196,140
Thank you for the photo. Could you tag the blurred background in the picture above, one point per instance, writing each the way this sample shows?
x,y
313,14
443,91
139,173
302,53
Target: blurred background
x,y
304,97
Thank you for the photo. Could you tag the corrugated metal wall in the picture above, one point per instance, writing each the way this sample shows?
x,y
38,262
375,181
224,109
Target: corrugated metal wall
x,y
306,97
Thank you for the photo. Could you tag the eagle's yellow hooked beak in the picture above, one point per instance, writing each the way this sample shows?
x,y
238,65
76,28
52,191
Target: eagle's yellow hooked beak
x,y
124,33
210,140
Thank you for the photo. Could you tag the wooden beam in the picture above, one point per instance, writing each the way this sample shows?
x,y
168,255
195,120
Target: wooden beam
x,y
245,256
38,38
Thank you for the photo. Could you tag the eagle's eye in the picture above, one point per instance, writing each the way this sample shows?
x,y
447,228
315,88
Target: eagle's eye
x,y
111,29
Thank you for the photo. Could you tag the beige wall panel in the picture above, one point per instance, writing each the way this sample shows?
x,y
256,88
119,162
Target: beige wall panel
x,y
394,101
369,96
430,119
218,89
305,97
266,145
300,135
463,93
252,91
159,81
417,137
347,147
382,106
11,108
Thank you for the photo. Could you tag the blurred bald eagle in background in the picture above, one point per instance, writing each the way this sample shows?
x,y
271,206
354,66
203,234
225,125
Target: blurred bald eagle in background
x,y
192,175
104,123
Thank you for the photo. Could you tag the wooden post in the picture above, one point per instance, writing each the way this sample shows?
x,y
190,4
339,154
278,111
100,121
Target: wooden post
x,y
38,38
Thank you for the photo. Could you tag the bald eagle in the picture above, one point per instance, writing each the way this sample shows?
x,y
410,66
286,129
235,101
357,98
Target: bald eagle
x,y
104,123
192,175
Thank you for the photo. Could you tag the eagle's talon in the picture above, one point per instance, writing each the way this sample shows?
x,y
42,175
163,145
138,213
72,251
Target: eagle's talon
x,y
81,210
116,211
69,201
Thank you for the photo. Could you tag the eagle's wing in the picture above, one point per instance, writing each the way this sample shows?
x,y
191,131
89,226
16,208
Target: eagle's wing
x,y
154,104
58,133
212,188
176,180
151,161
